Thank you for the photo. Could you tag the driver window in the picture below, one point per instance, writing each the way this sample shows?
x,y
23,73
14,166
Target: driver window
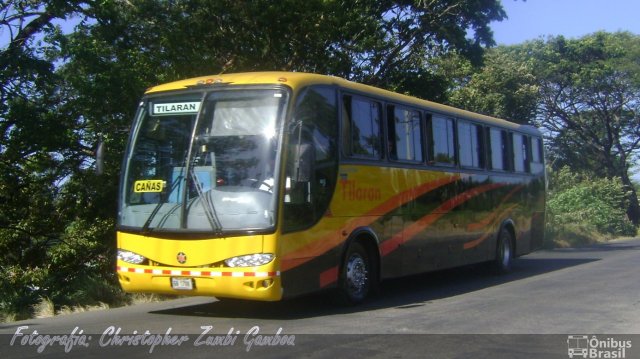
x,y
311,167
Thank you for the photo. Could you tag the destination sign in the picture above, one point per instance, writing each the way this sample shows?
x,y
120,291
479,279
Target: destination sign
x,y
177,108
148,186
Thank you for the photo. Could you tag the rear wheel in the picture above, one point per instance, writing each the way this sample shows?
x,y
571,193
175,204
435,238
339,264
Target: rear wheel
x,y
504,252
355,275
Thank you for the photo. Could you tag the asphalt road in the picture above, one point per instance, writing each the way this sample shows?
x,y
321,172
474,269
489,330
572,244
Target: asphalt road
x,y
465,312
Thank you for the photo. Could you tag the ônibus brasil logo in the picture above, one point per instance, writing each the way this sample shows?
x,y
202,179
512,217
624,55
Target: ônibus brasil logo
x,y
593,347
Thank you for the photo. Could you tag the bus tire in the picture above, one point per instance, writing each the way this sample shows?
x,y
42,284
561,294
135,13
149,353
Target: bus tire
x,y
356,274
504,252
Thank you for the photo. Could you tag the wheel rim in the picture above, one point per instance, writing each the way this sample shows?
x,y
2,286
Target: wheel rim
x,y
357,275
506,253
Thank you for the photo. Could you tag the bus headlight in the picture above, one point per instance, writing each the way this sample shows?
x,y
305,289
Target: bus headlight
x,y
130,257
251,260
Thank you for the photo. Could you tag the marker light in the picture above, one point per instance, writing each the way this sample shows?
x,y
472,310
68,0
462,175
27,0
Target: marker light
x,y
210,81
251,260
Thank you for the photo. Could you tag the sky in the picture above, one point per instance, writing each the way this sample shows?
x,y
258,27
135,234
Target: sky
x,y
532,19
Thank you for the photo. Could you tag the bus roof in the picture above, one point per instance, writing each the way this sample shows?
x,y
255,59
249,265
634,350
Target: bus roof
x,y
300,80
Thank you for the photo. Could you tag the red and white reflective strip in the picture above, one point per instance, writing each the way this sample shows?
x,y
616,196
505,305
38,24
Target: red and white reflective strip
x,y
191,273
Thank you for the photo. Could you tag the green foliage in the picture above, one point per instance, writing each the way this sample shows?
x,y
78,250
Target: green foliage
x,y
505,87
75,269
582,204
61,94
590,104
20,287
584,93
81,265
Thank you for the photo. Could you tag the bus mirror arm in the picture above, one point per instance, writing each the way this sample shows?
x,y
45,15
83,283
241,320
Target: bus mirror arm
x,y
303,163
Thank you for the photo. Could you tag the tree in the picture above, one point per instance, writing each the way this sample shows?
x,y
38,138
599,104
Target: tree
x,y
405,36
584,94
505,86
61,94
38,152
590,104
22,60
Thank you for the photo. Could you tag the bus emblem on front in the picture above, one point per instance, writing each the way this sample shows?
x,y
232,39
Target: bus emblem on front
x,y
182,258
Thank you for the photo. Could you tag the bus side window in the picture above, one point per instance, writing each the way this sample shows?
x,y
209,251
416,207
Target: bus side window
x,y
526,149
442,141
537,158
520,151
498,149
507,151
362,127
470,145
405,139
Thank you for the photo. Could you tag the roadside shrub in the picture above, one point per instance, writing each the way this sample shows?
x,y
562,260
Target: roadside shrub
x,y
20,289
73,269
589,204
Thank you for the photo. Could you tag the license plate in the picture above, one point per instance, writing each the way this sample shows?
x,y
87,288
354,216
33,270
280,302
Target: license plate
x,y
182,283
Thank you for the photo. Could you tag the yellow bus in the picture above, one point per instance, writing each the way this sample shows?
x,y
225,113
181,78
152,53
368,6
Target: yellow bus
x,y
270,185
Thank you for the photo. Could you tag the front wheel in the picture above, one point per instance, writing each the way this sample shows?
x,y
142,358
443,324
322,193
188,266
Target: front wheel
x,y
504,252
355,275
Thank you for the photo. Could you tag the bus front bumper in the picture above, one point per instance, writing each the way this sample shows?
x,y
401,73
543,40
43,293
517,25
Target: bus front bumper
x,y
240,283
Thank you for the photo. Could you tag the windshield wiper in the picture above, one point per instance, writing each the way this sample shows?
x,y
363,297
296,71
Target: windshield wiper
x,y
156,209
209,209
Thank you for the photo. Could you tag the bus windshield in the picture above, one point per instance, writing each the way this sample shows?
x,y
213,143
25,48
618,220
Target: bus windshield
x,y
203,161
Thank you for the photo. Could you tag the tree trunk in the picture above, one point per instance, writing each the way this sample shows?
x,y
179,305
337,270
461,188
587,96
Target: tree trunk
x,y
633,209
